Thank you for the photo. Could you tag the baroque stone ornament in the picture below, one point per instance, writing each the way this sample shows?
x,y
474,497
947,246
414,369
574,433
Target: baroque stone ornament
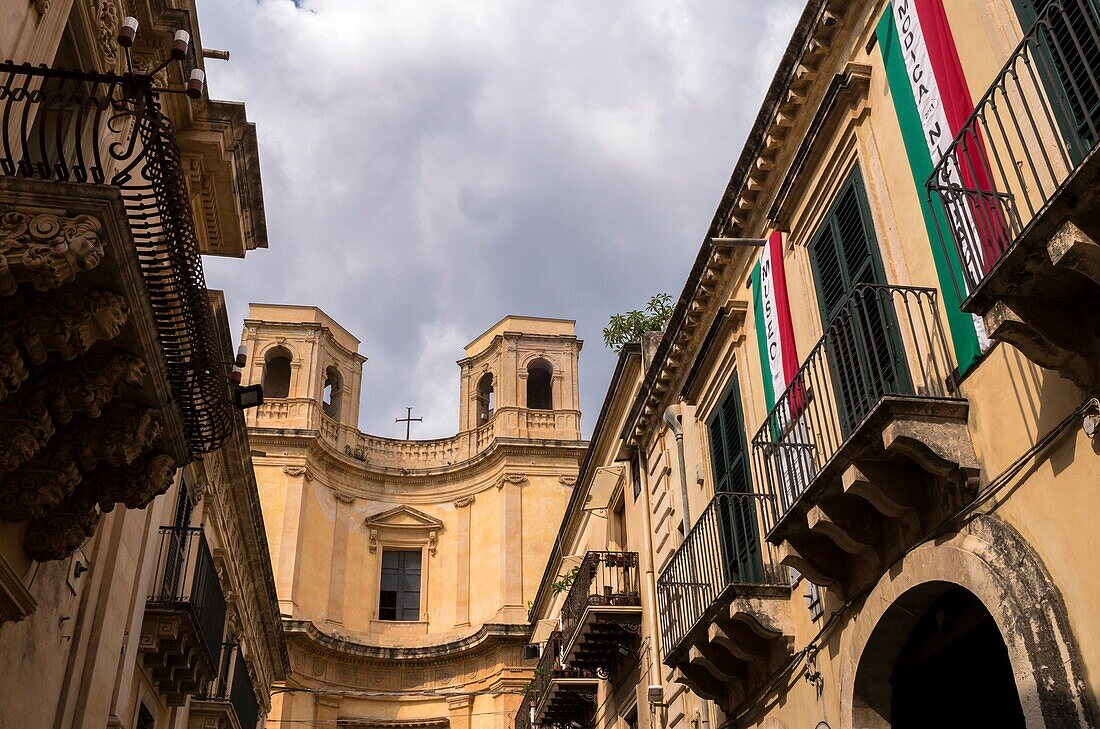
x,y
108,29
298,471
512,478
67,323
45,250
58,396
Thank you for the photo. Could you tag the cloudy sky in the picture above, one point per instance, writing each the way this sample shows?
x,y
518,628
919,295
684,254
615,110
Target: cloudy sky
x,y
431,166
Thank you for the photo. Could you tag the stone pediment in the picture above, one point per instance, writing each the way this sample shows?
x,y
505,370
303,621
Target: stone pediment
x,y
403,517
404,526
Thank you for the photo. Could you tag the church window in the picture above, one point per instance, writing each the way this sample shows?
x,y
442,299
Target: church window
x,y
332,393
539,393
399,597
276,380
485,402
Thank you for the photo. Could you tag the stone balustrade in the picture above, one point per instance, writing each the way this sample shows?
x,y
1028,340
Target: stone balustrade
x,y
306,414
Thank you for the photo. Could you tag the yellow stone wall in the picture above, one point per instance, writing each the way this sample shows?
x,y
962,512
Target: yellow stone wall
x,y
483,507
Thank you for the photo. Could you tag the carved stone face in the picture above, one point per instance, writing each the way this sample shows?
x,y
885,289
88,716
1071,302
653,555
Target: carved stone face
x,y
85,242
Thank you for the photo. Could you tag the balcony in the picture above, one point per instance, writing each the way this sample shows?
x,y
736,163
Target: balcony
x,y
228,701
723,603
1019,195
181,636
561,695
868,447
602,612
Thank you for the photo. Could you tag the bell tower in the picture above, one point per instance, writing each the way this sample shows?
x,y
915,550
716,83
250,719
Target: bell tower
x,y
521,376
306,363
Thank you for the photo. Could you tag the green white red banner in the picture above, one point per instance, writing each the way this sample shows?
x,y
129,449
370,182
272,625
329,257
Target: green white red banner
x,y
932,103
774,329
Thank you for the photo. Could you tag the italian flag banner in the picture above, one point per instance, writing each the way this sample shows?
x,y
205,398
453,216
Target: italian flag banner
x,y
791,462
932,103
774,330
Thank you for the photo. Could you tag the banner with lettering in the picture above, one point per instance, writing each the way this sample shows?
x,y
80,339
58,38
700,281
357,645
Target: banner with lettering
x,y
932,103
774,330
791,460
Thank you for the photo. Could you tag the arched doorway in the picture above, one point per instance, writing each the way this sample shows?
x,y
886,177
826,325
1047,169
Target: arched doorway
x,y
953,670
991,563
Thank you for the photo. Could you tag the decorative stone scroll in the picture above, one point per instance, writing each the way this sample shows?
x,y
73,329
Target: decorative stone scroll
x,y
46,250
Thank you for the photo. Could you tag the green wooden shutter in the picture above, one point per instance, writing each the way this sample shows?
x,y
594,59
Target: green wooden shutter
x,y
865,356
735,510
1066,72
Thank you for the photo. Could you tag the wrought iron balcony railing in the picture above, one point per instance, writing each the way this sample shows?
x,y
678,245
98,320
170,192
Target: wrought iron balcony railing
x,y
233,685
109,130
603,578
884,340
185,579
722,549
525,710
1039,120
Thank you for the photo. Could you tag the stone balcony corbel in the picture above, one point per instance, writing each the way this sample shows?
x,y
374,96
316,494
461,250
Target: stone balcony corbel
x,y
1043,302
907,466
730,655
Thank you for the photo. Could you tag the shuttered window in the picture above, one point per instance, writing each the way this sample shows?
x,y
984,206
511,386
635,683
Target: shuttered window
x,y
736,509
727,444
861,339
1069,62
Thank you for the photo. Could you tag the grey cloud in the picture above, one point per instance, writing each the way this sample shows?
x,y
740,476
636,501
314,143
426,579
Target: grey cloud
x,y
431,166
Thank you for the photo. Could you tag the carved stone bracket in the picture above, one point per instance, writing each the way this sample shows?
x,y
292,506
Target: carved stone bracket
x,y
298,472
1040,296
749,635
511,478
910,464
46,250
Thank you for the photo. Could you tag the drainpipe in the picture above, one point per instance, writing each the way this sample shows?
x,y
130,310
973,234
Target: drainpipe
x,y
674,425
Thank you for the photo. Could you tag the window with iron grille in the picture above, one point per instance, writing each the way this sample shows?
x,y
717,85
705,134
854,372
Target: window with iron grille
x,y
399,596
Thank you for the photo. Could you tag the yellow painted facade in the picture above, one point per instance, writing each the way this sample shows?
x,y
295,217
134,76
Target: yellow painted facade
x,y
786,652
478,511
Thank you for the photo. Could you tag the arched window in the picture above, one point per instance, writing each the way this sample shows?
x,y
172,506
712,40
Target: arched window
x,y
539,393
276,380
331,396
485,402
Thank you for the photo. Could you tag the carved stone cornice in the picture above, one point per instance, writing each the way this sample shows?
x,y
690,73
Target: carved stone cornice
x,y
46,250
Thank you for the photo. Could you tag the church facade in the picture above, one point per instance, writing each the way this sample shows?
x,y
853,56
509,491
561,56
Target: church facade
x,y
404,568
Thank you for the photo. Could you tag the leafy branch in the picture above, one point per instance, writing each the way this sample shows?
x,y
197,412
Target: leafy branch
x,y
622,329
565,581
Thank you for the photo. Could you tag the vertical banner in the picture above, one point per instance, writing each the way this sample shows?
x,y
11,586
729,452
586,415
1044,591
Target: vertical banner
x,y
774,328
932,103
792,458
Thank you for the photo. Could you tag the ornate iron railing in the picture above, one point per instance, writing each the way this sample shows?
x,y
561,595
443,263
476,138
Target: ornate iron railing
x,y
550,668
106,129
723,548
185,578
233,685
1031,130
526,707
884,340
603,578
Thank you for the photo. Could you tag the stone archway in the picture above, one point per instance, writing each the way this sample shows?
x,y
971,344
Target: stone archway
x,y
993,563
